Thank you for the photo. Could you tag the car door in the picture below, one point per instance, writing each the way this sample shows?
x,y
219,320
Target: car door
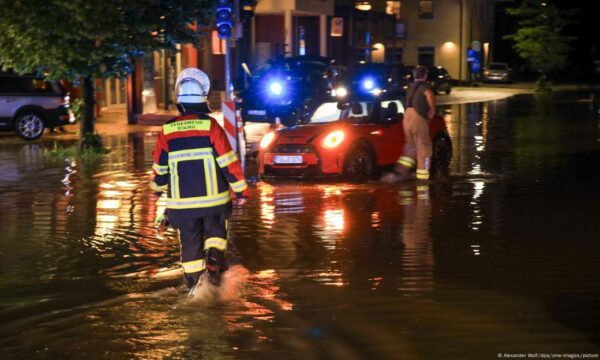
x,y
7,100
391,134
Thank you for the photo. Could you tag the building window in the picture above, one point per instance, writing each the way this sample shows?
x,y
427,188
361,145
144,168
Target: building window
x,y
425,9
394,8
426,56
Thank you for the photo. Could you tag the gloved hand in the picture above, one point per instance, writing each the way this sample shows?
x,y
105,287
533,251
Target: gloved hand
x,y
157,188
161,222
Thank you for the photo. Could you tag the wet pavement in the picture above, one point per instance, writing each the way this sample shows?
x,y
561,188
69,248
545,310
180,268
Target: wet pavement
x,y
502,259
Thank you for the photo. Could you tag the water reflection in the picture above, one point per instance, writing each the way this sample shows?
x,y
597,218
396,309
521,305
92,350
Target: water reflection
x,y
372,270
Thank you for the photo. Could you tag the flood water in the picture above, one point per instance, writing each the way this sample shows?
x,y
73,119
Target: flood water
x,y
504,258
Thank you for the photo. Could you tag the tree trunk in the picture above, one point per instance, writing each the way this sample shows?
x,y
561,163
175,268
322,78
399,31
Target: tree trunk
x,y
88,121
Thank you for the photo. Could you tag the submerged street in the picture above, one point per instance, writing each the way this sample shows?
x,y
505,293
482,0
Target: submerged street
x,y
500,259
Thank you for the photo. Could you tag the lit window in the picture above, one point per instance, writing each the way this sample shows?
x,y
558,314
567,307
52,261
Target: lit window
x,y
425,9
393,8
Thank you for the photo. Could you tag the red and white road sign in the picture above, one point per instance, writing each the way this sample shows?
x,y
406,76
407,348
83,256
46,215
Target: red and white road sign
x,y
234,129
229,122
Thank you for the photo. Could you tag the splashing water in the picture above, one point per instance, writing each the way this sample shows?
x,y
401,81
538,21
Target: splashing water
x,y
232,287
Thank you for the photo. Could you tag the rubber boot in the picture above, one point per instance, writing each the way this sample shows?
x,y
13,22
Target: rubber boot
x,y
215,262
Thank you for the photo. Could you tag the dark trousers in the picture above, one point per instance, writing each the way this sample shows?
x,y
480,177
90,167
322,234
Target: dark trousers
x,y
197,235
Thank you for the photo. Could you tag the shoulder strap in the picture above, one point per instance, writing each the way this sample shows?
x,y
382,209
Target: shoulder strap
x,y
412,96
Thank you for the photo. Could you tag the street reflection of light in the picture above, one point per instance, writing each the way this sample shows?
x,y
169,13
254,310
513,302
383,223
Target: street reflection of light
x,y
267,209
330,278
289,203
479,186
125,184
104,218
375,219
334,220
376,281
109,204
105,224
111,193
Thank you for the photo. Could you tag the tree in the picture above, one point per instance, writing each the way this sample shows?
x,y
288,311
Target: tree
x,y
88,39
540,39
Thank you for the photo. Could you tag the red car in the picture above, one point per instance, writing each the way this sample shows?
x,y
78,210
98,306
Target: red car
x,y
352,139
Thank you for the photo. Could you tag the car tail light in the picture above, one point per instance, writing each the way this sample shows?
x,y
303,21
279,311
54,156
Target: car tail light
x,y
267,140
333,139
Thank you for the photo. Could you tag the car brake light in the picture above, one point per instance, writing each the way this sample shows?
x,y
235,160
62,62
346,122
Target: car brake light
x,y
333,139
266,140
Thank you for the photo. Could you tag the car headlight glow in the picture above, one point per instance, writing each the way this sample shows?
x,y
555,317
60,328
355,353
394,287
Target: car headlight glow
x,y
276,88
341,92
267,140
333,139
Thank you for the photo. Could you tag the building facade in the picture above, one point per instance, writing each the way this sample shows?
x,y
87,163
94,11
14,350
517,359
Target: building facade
x,y
426,32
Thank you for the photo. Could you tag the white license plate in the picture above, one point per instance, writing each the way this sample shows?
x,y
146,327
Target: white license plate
x,y
257,112
288,159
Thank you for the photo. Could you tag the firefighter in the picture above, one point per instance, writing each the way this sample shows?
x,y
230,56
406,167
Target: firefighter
x,y
194,163
420,110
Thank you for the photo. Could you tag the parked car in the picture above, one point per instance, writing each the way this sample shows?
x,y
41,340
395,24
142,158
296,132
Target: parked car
x,y
438,78
29,105
287,88
497,71
351,138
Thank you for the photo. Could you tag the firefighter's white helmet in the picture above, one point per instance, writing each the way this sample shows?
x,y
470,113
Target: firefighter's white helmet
x,y
192,86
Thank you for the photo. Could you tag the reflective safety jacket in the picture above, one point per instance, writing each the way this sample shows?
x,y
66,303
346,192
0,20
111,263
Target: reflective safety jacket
x,y
194,161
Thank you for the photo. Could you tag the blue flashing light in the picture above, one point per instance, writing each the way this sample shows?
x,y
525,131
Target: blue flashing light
x,y
368,84
276,88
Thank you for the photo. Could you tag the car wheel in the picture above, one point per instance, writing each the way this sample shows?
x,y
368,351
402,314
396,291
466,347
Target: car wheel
x,y
441,157
359,164
30,126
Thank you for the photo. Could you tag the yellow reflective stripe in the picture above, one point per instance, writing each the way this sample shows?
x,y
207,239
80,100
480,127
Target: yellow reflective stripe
x,y
239,186
186,125
406,161
225,160
191,154
160,170
212,167
199,202
422,174
193,266
215,242
174,179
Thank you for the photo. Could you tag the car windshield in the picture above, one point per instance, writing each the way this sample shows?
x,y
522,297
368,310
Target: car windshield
x,y
498,67
329,112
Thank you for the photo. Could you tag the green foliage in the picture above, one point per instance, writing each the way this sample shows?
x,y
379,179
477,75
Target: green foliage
x,y
543,85
73,39
77,108
86,39
90,153
539,39
92,142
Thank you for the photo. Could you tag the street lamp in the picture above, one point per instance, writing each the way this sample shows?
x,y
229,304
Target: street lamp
x,y
362,5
